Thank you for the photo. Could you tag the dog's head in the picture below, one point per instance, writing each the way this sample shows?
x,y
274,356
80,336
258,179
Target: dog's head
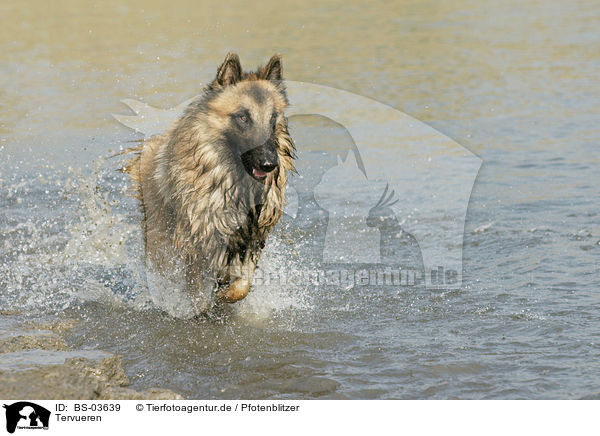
x,y
248,107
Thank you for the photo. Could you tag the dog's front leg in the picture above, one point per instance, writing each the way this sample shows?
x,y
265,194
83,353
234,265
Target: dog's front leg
x,y
240,285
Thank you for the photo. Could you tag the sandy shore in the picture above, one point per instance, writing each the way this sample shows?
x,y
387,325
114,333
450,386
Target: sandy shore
x,y
37,363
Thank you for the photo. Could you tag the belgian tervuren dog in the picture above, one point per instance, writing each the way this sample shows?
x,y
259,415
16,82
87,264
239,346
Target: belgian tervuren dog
x,y
213,186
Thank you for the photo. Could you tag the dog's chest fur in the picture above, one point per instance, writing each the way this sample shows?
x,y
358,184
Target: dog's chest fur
x,y
214,219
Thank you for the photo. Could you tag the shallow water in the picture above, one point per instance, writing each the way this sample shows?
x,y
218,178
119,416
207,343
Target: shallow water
x,y
515,84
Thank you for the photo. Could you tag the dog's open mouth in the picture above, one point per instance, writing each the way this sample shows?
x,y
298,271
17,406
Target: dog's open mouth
x,y
256,167
258,174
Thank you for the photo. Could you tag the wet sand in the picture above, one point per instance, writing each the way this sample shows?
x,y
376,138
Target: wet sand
x,y
37,363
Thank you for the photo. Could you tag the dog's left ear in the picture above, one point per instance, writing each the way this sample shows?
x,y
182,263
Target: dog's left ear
x,y
273,69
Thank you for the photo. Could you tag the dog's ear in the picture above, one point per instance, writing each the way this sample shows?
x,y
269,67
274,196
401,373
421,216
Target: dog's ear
x,y
273,69
230,72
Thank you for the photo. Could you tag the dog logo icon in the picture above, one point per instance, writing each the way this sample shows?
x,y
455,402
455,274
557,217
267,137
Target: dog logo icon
x,y
26,415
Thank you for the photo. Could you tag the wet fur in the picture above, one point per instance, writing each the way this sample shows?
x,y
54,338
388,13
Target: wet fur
x,y
205,218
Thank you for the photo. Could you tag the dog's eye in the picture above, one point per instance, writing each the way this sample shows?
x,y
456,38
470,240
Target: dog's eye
x,y
243,118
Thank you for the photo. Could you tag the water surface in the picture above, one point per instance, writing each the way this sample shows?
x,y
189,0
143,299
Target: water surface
x,y
515,83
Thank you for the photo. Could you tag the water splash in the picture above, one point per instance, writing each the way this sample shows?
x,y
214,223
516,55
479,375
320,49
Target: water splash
x,y
74,237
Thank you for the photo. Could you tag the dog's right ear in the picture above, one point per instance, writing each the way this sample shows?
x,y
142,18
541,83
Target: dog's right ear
x,y
230,72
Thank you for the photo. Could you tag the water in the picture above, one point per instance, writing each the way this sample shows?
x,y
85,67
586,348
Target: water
x,y
515,83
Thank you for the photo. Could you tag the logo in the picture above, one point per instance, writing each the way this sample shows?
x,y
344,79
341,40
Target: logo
x,y
386,192
26,415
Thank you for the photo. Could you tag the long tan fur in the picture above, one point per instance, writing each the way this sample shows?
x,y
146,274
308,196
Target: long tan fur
x,y
205,220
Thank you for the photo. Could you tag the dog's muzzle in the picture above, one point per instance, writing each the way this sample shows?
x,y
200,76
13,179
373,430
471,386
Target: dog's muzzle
x,y
260,161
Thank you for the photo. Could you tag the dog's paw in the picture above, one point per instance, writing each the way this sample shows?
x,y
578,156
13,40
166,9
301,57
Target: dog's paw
x,y
235,292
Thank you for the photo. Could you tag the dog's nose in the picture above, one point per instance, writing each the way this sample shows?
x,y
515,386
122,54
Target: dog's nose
x,y
268,165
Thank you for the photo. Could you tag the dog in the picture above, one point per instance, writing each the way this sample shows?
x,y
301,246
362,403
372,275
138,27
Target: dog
x,y
212,187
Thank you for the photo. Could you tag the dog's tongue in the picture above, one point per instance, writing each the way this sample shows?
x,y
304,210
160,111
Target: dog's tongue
x,y
258,173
